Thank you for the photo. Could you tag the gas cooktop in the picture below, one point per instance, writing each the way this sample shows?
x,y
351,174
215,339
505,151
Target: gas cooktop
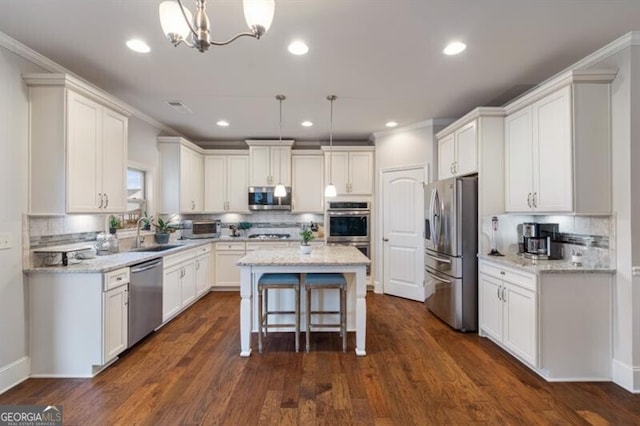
x,y
269,236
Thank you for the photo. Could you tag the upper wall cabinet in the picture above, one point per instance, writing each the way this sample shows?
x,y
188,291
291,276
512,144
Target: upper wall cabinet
x,y
78,147
308,182
457,152
350,168
558,146
226,177
181,176
270,162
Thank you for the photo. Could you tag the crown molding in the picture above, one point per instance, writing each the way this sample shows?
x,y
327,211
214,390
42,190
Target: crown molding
x,y
47,64
269,142
470,116
179,140
432,122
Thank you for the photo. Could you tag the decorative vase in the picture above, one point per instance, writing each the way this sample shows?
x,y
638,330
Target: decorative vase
x,y
162,238
305,249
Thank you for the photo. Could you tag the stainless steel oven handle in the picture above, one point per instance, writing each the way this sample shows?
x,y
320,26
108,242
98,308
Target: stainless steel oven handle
x,y
437,278
437,259
363,213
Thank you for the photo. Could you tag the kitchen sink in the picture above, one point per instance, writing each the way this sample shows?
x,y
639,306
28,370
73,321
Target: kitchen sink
x,y
158,248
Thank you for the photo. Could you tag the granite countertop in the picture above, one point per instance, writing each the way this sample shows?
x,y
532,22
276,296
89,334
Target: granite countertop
x,y
546,266
319,256
114,261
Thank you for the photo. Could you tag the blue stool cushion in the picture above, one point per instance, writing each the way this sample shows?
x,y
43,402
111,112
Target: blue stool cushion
x,y
329,279
284,279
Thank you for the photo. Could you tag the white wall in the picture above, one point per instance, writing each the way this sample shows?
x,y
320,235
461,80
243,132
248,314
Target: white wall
x,y
14,116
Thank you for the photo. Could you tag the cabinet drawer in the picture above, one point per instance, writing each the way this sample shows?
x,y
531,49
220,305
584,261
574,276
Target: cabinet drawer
x,y
116,278
174,259
515,276
203,250
234,246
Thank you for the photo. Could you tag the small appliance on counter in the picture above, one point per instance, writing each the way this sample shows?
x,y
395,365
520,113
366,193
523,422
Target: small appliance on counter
x,y
194,229
537,241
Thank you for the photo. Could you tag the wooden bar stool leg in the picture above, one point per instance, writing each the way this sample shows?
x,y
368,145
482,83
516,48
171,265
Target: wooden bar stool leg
x,y
343,317
297,315
266,309
260,320
308,291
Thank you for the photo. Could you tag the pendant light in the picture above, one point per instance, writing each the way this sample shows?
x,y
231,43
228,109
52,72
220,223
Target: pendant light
x,y
330,190
280,190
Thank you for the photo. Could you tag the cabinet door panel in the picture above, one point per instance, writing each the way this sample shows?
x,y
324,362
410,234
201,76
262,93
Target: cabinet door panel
x,y
238,183
446,156
114,160
84,167
115,322
185,180
337,170
490,307
361,173
260,166
215,183
466,155
171,292
188,283
308,179
281,165
203,274
197,181
552,165
518,164
520,330
227,273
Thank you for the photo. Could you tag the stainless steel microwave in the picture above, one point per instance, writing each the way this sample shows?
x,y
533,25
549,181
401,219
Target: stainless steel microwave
x,y
263,198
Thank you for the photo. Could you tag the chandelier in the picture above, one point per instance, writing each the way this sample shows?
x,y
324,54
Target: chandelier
x,y
180,27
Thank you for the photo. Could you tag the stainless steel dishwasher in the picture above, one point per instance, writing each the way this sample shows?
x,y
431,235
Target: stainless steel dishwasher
x,y
145,299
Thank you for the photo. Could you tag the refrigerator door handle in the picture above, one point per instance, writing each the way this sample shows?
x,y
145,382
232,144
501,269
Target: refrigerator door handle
x,y
433,215
438,278
437,259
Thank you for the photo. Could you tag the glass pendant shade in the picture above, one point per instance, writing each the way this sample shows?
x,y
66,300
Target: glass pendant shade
x,y
330,191
172,20
259,13
280,191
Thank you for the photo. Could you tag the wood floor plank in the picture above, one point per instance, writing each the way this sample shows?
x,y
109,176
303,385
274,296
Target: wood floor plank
x,y
417,371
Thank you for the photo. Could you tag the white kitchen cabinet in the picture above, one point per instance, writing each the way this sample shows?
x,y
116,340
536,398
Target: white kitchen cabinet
x,y
227,273
178,283
549,320
507,311
203,269
350,169
78,147
191,180
558,147
458,152
270,162
78,321
226,177
307,188
181,176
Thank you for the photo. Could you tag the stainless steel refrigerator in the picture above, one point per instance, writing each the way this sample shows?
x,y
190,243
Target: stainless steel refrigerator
x,y
451,247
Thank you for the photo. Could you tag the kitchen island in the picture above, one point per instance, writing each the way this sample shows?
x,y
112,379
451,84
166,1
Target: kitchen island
x,y
337,259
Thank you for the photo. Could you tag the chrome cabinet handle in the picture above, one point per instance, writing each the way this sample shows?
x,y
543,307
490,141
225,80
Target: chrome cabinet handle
x,y
504,299
101,200
498,292
451,168
106,203
535,200
529,200
197,265
126,297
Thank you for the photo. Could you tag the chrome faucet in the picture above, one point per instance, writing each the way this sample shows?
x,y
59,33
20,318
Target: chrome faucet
x,y
140,240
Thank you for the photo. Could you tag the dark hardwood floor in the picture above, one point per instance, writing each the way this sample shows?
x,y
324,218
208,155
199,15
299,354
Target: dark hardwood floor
x,y
417,371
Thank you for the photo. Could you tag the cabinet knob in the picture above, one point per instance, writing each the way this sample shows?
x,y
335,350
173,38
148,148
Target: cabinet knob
x,y
501,272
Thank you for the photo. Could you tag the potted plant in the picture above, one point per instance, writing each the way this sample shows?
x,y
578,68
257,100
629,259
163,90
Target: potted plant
x,y
163,231
244,227
307,237
146,222
114,224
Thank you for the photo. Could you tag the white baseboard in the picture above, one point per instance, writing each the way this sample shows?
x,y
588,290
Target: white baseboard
x,y
14,373
626,376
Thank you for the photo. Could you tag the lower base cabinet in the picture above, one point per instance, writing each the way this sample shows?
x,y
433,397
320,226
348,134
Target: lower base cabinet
x,y
78,322
227,273
549,321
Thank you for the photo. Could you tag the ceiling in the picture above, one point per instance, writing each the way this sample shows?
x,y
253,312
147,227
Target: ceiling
x,y
382,58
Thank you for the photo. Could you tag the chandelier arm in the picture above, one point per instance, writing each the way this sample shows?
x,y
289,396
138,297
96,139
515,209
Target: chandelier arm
x,y
193,31
234,38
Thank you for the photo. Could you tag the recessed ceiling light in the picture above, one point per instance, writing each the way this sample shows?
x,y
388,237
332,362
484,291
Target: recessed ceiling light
x,y
307,123
298,48
223,123
391,124
138,45
454,48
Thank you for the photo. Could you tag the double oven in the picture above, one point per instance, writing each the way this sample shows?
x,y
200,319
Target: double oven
x,y
349,223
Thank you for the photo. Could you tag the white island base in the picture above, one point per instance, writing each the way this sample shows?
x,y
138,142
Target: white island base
x,y
336,259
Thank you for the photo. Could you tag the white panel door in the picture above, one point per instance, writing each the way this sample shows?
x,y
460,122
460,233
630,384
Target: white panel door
x,y
114,161
116,322
518,163
520,329
237,183
403,243
215,177
490,306
84,165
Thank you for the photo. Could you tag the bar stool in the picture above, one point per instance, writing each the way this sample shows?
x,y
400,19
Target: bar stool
x,y
327,281
277,282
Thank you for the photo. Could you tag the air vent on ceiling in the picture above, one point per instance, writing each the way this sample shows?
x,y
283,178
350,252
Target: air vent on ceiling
x,y
179,106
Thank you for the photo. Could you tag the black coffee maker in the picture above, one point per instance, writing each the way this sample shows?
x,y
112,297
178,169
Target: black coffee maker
x,y
537,241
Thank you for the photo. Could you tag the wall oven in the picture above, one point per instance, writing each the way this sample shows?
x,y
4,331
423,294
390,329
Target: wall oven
x,y
348,221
